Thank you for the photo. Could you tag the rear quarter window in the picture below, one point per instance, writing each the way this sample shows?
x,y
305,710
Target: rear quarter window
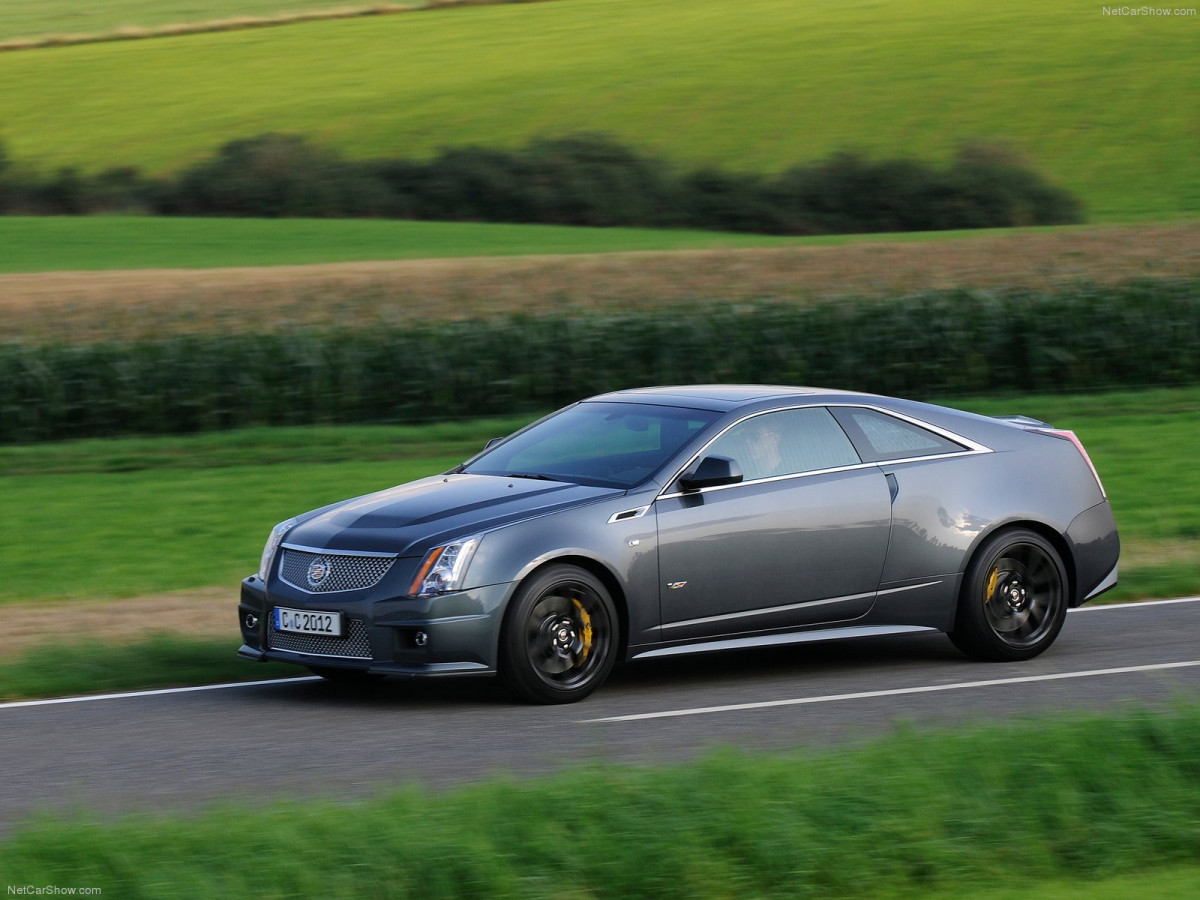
x,y
880,437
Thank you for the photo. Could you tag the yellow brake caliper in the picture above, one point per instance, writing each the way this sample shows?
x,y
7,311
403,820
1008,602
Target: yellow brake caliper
x,y
585,633
991,585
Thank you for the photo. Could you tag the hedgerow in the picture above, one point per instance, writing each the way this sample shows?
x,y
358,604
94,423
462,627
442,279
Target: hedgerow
x,y
576,180
935,343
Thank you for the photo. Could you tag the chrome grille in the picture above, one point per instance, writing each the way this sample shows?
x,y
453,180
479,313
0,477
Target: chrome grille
x,y
325,573
354,645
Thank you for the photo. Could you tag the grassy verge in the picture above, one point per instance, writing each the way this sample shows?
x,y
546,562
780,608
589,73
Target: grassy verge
x,y
160,661
913,815
132,517
710,87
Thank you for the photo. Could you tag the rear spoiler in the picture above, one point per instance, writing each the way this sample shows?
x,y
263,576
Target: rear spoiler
x,y
1023,421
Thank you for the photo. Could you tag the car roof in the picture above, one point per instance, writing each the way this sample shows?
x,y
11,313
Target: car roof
x,y
718,397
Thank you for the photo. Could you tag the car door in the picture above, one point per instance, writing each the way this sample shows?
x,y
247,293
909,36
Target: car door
x,y
801,540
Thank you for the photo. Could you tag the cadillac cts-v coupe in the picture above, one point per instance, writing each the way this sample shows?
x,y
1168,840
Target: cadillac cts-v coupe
x,y
660,521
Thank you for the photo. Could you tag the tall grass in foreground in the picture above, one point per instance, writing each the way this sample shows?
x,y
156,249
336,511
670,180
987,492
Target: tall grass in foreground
x,y
935,343
913,814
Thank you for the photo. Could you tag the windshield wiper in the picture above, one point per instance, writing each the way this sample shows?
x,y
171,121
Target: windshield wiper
x,y
536,476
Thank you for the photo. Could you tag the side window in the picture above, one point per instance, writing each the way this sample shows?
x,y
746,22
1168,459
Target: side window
x,y
880,437
786,443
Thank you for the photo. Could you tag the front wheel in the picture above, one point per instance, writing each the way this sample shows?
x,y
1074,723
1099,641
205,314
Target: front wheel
x,y
1014,598
560,637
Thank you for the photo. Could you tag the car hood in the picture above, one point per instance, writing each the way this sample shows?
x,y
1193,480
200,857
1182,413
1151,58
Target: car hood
x,y
413,517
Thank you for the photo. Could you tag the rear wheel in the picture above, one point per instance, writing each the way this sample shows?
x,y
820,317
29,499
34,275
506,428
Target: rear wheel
x,y
560,636
1014,598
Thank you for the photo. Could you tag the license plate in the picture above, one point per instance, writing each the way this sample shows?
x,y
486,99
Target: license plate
x,y
309,621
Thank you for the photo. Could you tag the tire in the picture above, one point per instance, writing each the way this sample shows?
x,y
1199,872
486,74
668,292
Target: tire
x,y
346,676
560,636
1014,598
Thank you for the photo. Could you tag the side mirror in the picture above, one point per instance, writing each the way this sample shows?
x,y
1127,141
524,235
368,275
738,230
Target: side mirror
x,y
712,471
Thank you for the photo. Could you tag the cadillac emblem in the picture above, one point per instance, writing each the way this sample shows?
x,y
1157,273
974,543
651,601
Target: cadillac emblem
x,y
318,571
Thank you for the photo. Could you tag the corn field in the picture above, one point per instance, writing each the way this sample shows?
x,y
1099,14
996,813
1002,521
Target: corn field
x,y
930,344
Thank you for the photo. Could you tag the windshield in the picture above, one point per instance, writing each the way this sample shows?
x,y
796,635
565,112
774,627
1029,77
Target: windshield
x,y
607,444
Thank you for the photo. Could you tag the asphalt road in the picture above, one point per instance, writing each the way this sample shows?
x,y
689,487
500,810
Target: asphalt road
x,y
301,738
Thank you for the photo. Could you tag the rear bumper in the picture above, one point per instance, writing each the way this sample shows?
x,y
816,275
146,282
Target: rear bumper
x,y
453,634
1095,548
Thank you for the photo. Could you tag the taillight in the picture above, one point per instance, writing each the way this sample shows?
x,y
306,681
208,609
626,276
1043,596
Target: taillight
x,y
1071,436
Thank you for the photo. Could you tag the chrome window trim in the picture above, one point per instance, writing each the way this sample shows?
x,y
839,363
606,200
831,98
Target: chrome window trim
x,y
970,448
927,426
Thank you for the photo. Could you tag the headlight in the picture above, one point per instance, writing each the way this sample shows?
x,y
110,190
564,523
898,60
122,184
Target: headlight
x,y
443,568
273,542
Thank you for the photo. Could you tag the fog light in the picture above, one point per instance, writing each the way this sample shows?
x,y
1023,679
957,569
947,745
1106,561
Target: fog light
x,y
251,621
420,639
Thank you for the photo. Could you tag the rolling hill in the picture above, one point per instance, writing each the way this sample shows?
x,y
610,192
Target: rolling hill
x,y
1103,104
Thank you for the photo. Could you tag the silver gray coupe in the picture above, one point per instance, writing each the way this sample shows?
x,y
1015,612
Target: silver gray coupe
x,y
660,521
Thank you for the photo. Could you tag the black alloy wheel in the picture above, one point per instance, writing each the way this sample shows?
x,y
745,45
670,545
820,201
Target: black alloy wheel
x,y
1014,598
560,636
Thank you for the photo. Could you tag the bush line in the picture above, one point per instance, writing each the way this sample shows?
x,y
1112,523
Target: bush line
x,y
906,816
935,343
577,180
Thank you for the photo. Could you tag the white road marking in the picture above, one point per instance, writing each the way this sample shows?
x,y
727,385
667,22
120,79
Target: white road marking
x,y
16,704
1088,607
895,692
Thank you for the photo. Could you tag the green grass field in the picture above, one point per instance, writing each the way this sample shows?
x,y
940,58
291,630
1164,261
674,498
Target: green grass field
x,y
30,18
1105,105
142,516
1080,807
51,243
158,515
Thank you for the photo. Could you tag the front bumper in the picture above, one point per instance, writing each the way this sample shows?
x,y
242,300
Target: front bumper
x,y
451,634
